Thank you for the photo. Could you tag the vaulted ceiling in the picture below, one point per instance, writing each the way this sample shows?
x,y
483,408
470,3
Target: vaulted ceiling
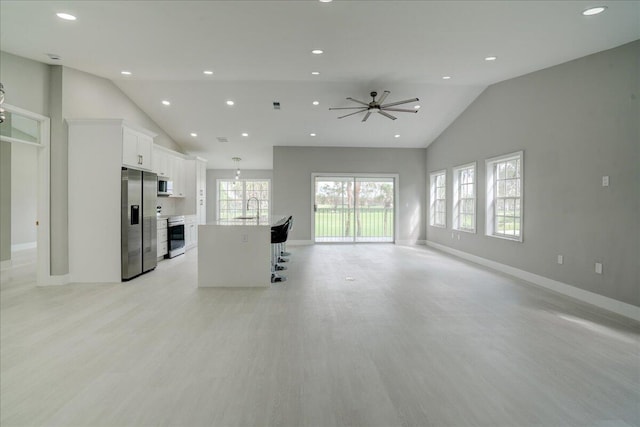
x,y
260,52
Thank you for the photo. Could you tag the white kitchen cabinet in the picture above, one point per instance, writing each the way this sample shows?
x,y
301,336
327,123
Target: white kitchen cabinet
x,y
161,162
162,238
136,149
195,202
190,231
178,176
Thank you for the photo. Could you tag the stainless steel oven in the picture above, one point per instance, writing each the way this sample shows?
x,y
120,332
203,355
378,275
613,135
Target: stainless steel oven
x,y
175,236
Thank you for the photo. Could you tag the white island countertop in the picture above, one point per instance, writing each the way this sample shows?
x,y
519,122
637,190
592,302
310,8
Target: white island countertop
x,y
251,221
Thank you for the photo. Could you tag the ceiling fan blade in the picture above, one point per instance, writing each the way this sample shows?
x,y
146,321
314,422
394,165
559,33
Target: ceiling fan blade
x,y
359,102
404,110
387,115
366,116
383,97
347,108
351,114
399,102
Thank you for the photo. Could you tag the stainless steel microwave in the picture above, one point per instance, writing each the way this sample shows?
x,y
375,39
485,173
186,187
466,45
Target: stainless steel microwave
x,y
165,187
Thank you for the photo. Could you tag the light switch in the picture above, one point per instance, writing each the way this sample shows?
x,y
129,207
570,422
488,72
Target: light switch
x,y
560,259
245,238
605,181
598,268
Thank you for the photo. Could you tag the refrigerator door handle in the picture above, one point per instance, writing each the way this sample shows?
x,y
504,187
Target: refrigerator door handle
x,y
135,214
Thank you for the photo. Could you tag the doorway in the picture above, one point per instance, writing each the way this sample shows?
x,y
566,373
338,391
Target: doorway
x,y
354,208
21,129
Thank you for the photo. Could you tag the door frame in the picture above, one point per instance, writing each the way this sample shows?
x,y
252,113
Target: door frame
x,y
396,199
43,239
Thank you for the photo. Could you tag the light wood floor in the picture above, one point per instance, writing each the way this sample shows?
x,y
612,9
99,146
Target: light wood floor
x,y
360,335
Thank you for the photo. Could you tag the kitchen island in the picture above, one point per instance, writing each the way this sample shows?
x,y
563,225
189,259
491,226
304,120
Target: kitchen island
x,y
235,253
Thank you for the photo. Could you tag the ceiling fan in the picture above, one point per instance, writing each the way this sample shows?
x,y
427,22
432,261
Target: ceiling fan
x,y
377,106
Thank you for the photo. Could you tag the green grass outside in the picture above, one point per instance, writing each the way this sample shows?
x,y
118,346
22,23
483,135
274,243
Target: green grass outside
x,y
333,222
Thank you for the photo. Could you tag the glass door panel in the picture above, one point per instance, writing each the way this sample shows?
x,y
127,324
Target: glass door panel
x,y
374,209
354,209
333,207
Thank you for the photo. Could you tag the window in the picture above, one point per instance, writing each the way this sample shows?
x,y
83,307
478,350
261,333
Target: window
x,y
233,196
438,209
464,198
504,196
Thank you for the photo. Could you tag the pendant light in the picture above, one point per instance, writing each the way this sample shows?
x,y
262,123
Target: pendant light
x,y
237,162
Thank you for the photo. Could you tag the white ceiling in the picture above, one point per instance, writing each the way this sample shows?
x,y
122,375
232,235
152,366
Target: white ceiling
x,y
260,52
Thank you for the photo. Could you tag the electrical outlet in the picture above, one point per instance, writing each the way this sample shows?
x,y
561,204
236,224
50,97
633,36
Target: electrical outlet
x,y
605,181
560,259
598,268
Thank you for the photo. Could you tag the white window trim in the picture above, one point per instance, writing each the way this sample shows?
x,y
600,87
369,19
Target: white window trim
x,y
454,203
489,209
432,177
244,189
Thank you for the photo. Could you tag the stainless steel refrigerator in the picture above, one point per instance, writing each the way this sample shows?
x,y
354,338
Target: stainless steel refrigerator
x,y
138,222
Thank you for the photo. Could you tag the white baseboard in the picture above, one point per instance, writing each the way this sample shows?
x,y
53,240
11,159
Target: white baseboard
x,y
606,303
411,242
299,242
24,246
5,264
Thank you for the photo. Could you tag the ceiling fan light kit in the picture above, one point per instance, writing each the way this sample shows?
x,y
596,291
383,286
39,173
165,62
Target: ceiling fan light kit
x,y
377,106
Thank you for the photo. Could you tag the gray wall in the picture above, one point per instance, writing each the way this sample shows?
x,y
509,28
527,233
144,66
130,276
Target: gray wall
x,y
214,174
5,201
24,193
61,93
293,166
576,122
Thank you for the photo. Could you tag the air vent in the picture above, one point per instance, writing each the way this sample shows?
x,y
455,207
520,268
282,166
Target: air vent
x,y
276,105
223,139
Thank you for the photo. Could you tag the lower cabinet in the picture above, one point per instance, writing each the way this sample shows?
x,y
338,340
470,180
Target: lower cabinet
x,y
163,246
190,231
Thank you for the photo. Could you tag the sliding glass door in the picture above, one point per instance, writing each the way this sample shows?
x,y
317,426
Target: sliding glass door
x,y
354,209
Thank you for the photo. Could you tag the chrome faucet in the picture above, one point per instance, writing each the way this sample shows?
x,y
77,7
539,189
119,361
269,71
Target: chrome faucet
x,y
257,207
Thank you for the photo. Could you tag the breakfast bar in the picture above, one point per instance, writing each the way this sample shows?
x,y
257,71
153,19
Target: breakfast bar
x,y
235,253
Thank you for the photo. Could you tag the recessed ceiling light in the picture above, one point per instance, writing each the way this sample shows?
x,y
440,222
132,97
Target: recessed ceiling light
x,y
208,72
396,136
594,10
66,16
193,134
165,102
325,1
312,134
230,102
125,73
417,107
490,58
245,134
316,103
315,73
317,51
446,77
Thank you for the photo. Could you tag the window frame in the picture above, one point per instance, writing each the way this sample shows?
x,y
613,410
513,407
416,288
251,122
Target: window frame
x,y
433,176
244,195
491,197
455,205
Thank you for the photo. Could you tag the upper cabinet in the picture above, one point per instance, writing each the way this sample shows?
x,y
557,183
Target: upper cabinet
x,y
161,162
136,149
